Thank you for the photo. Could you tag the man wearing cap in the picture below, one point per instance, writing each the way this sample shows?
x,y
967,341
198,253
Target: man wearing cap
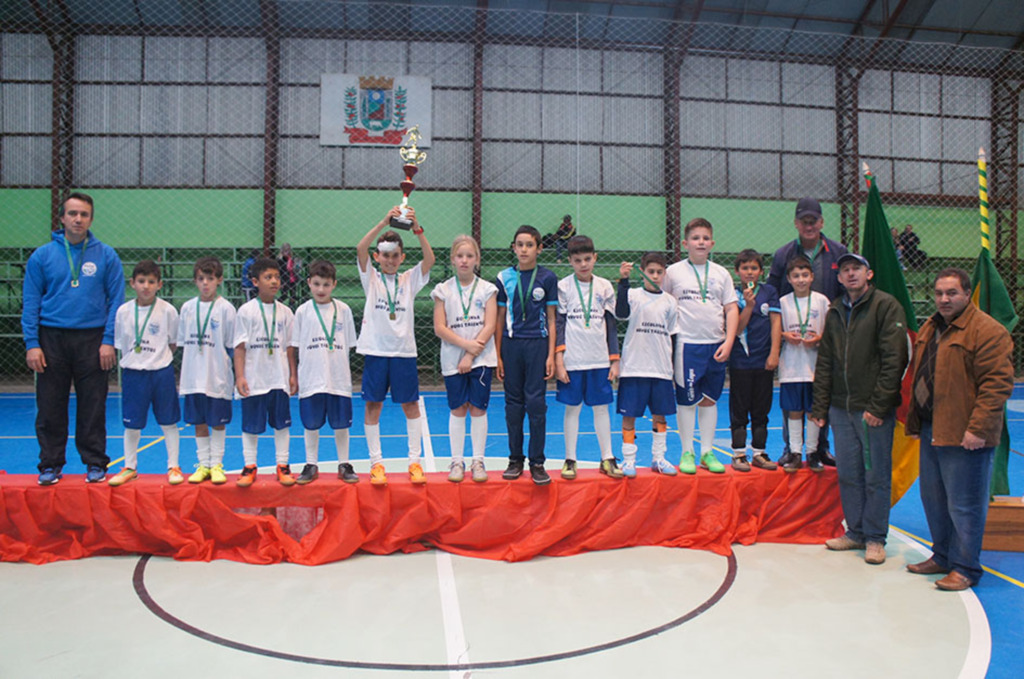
x,y
861,359
963,375
823,254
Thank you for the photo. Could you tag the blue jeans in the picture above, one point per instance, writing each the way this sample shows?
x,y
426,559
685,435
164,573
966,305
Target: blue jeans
x,y
865,493
954,492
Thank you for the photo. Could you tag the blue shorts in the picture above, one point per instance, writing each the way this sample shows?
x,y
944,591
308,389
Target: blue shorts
x,y
585,386
142,388
638,393
383,372
319,408
272,407
703,375
203,409
796,396
473,388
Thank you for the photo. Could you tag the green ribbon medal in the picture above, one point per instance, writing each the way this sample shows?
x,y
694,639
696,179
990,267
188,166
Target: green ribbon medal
x,y
519,289
201,327
334,323
806,320
75,273
469,303
590,300
273,327
703,287
139,331
391,301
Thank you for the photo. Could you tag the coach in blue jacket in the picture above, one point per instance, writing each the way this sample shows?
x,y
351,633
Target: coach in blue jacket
x,y
73,287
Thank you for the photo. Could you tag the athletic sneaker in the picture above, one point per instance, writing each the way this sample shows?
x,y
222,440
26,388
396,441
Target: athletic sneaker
x,y
815,462
793,463
217,475
662,466
540,475
416,473
200,474
610,468
347,474
95,474
761,461
629,469
569,470
122,477
377,475
284,475
309,474
513,471
248,476
843,543
686,463
456,471
710,462
478,470
49,476
174,476
740,463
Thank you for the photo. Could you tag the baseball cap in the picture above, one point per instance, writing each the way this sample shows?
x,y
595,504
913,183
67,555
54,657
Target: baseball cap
x,y
808,207
851,256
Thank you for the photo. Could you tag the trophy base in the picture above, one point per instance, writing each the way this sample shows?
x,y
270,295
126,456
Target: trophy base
x,y
399,223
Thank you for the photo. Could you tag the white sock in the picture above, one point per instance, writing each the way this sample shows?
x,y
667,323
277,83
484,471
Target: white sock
x,y
603,427
312,437
685,420
203,451
131,448
478,435
341,443
281,440
172,438
659,445
758,452
218,441
812,436
628,452
413,434
457,435
739,452
249,445
796,436
571,427
373,442
707,418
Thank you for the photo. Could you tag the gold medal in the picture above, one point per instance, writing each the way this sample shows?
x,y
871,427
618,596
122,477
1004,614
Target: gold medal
x,y
138,349
391,316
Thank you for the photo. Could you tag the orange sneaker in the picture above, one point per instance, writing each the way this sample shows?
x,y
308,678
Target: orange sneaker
x,y
377,475
248,476
416,473
174,476
122,477
284,475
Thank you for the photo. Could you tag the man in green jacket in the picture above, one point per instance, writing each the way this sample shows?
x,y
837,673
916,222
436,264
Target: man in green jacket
x,y
861,360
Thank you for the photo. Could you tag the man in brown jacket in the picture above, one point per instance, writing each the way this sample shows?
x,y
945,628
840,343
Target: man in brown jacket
x,y
963,375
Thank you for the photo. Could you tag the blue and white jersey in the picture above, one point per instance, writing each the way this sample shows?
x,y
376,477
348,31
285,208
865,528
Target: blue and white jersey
x,y
531,321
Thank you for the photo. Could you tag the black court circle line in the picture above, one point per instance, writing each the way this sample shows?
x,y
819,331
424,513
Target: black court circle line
x,y
139,582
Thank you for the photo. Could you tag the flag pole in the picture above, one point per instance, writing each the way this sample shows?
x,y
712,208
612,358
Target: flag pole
x,y
986,241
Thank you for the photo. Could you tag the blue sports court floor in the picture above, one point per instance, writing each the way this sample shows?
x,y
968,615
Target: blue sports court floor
x,y
789,610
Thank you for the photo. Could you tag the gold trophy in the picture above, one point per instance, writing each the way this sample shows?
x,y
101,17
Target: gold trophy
x,y
413,157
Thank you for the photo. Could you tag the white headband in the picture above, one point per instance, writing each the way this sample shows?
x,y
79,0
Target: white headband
x,y
387,246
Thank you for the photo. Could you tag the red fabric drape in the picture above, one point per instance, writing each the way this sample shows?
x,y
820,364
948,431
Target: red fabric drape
x,y
512,521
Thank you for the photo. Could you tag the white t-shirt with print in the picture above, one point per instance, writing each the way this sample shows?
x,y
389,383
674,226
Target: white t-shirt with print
x,y
702,321
796,362
264,370
158,333
647,348
381,336
586,348
323,370
463,325
209,371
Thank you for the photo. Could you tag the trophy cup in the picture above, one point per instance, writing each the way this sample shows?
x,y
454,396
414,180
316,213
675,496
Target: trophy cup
x,y
413,157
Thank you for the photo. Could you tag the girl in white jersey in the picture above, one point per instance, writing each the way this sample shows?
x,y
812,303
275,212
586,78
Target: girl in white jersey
x,y
465,314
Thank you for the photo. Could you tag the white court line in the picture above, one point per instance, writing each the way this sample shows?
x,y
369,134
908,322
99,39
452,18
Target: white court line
x,y
454,634
979,648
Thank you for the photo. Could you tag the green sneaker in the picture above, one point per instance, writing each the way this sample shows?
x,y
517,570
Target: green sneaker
x,y
686,463
610,468
569,470
710,462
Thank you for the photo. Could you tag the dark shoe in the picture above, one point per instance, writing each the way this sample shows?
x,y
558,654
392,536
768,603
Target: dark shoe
x,y
827,458
49,476
954,582
513,471
929,567
347,474
95,474
815,462
784,458
310,473
793,464
540,475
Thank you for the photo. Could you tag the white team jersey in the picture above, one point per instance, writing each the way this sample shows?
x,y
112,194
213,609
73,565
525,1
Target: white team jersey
x,y
158,333
321,369
647,349
586,348
796,363
264,370
381,336
702,321
463,325
208,371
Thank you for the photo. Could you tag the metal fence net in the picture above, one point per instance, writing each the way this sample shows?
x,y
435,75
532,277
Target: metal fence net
x,y
197,129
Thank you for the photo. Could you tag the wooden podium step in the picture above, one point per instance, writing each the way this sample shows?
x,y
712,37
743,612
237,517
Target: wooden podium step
x,y
1004,529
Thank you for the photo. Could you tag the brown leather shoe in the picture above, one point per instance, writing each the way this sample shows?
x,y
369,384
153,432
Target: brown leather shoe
x,y
954,582
928,567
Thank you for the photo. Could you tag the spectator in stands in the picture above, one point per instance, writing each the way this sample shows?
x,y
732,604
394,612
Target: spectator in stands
x,y
73,287
291,268
896,244
560,238
248,287
910,247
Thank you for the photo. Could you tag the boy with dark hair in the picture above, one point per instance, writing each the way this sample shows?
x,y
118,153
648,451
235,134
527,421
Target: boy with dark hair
x,y
527,297
265,370
145,331
586,353
324,334
205,333
753,361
